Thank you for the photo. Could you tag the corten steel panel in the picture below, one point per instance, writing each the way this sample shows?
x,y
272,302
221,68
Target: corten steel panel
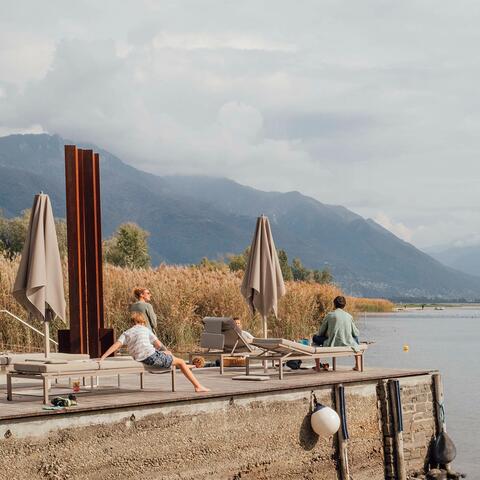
x,y
64,341
99,259
83,247
92,243
107,338
90,262
76,277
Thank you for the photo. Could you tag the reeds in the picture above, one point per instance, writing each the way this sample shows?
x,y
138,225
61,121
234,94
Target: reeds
x,y
181,297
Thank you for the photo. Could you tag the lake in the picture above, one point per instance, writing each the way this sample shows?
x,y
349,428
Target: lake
x,y
446,340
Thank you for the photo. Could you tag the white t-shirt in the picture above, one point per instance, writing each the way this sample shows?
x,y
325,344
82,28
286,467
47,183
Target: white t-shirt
x,y
247,336
139,341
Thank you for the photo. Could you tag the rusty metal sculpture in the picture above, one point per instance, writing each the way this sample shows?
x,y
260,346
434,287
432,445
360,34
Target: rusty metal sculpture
x,y
87,332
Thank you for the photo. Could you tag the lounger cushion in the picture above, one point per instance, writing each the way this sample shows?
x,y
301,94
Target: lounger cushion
x,y
358,349
280,345
213,324
37,367
9,358
212,340
118,364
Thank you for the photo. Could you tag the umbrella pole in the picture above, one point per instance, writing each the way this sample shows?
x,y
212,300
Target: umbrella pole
x,y
46,332
265,335
47,338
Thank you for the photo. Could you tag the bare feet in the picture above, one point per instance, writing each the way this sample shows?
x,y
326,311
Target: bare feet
x,y
201,388
355,369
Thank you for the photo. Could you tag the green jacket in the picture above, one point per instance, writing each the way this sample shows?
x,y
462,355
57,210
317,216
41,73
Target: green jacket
x,y
147,309
339,328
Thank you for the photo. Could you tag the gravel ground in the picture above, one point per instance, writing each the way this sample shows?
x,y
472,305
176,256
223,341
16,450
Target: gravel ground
x,y
263,441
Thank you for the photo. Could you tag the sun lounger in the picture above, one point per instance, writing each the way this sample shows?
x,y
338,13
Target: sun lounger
x,y
283,350
222,338
53,369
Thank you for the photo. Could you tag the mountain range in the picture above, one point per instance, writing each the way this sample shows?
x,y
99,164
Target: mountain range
x,y
465,258
190,217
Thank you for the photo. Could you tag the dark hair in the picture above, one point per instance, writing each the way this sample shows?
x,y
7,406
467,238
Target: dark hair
x,y
339,302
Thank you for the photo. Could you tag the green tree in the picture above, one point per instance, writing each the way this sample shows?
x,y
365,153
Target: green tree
x,y
128,247
284,266
61,229
239,262
300,273
208,264
322,276
13,232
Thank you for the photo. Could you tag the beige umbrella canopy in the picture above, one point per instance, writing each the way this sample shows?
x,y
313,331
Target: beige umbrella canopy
x,y
39,283
263,284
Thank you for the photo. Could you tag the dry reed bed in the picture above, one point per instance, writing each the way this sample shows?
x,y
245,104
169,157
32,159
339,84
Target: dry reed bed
x,y
181,297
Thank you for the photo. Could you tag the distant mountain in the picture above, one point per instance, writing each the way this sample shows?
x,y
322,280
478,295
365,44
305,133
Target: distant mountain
x,y
463,258
193,217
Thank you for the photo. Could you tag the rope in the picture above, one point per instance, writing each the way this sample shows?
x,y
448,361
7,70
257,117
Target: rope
x,y
441,415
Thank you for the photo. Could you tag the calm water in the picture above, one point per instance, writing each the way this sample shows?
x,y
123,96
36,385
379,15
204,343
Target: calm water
x,y
446,340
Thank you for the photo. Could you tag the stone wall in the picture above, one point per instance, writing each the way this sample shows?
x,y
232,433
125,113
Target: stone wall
x,y
419,422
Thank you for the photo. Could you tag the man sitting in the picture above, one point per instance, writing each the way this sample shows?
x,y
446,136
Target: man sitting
x,y
338,330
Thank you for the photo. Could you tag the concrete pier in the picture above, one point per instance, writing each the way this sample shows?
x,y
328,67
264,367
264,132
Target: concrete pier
x,y
240,430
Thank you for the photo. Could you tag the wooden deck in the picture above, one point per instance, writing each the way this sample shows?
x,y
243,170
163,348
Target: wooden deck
x,y
27,400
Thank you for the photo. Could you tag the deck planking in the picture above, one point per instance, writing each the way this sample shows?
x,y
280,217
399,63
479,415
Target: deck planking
x,y
27,399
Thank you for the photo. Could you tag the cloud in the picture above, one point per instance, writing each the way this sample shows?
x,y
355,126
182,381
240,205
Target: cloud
x,y
397,228
368,105
472,240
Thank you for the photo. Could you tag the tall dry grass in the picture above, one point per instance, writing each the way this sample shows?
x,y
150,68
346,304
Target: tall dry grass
x,y
369,304
181,297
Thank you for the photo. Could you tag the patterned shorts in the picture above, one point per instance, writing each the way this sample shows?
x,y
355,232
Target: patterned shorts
x,y
159,360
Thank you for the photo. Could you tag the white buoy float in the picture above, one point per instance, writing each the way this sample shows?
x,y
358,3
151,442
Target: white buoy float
x,y
325,421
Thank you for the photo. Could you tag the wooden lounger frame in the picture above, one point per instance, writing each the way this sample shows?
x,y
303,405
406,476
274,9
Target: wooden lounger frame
x,y
298,354
240,348
45,377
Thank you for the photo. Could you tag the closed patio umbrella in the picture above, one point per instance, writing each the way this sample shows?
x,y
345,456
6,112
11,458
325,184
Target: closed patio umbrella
x,y
39,283
263,284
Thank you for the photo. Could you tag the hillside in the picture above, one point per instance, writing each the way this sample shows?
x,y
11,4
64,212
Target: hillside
x,y
193,217
464,258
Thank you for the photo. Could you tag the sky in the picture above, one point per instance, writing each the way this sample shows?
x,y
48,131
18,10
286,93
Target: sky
x,y
372,105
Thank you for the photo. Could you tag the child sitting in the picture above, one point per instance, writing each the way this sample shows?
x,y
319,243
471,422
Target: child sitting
x,y
145,347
